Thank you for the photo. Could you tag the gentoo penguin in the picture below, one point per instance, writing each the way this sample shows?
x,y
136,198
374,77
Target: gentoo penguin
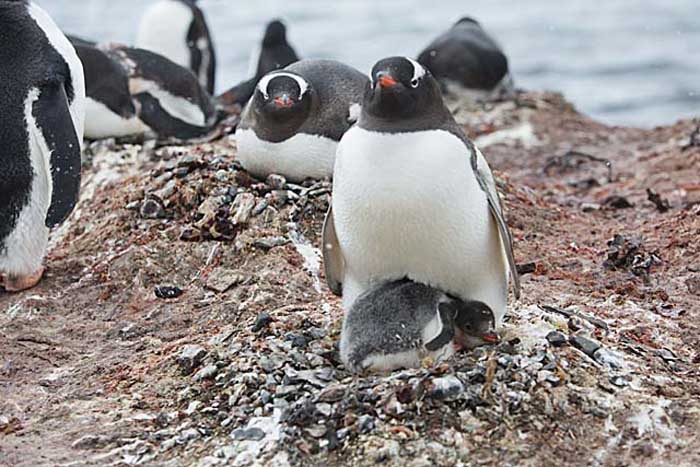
x,y
274,53
414,198
109,111
466,59
296,117
169,98
41,132
177,29
399,324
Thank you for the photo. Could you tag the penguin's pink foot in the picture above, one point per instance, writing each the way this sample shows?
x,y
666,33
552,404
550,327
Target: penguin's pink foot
x,y
20,283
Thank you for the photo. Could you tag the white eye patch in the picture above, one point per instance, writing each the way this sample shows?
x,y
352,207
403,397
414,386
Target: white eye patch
x,y
418,70
265,82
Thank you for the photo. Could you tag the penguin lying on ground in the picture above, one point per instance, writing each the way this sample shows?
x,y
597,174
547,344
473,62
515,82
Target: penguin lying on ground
x,y
177,29
296,117
132,92
41,132
414,198
275,53
466,59
399,324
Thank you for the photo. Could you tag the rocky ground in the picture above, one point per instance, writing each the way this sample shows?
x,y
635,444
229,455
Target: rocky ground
x,y
184,318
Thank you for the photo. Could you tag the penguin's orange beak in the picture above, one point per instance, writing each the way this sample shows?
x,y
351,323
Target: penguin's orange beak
x,y
491,338
284,101
387,81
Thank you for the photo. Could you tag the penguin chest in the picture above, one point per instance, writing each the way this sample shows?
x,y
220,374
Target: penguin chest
x,y
297,158
409,205
164,30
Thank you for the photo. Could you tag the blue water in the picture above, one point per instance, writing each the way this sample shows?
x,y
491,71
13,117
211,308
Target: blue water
x,y
628,62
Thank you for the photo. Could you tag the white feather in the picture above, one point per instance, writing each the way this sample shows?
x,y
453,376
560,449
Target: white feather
x,y
163,29
177,106
300,157
101,122
409,204
265,82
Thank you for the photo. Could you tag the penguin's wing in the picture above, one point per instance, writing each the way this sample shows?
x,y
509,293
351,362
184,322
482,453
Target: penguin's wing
x,y
163,123
333,261
445,317
53,118
488,184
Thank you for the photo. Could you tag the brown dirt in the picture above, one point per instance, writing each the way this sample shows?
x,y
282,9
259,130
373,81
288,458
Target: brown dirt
x,y
88,371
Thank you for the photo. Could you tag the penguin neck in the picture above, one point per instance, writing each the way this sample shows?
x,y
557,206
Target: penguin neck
x,y
434,120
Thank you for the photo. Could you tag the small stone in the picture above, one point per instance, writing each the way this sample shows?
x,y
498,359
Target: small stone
x,y
575,323
666,355
167,292
619,381
242,207
445,387
152,208
316,431
365,424
324,409
189,234
556,339
222,279
590,207
298,341
332,393
276,182
182,172
248,434
190,357
168,190
618,202
585,345
269,243
262,321
609,358
208,372
187,161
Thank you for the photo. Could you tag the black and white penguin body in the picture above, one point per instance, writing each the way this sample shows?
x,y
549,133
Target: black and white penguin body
x,y
414,198
169,98
273,53
293,122
177,29
399,324
466,59
109,111
41,130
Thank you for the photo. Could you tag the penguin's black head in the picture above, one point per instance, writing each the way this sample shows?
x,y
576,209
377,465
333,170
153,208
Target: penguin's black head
x,y
474,323
276,33
467,20
401,88
283,97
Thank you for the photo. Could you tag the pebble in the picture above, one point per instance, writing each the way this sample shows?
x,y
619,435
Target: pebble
x,y
556,339
445,387
208,372
276,182
262,321
152,208
222,279
190,357
168,291
248,434
585,345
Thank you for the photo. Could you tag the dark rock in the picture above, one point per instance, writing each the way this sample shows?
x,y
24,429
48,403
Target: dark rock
x,y
262,321
152,208
365,424
248,434
208,372
190,357
168,292
445,387
276,182
189,234
662,204
618,202
527,268
619,381
556,339
585,345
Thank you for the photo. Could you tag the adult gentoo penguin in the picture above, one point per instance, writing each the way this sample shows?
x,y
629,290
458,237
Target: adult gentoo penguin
x,y
467,59
177,29
293,122
273,54
399,324
109,111
413,197
41,131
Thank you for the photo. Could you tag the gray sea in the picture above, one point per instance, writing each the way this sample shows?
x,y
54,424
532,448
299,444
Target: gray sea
x,y
627,62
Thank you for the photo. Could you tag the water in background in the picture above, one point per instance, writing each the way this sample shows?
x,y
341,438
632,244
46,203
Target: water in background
x,y
631,62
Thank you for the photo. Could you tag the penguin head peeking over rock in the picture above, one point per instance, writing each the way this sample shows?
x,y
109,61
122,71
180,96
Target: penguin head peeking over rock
x,y
283,99
401,88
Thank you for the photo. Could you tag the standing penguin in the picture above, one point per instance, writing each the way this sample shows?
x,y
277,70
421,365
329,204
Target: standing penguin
x,y
177,29
466,59
414,198
399,324
293,122
41,134
273,54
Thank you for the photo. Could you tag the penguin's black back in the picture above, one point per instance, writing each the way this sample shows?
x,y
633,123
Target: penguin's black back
x,y
200,31
28,62
467,55
276,52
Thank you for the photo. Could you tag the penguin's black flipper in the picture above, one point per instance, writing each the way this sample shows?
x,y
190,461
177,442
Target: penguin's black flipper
x,y
164,124
447,313
52,114
239,94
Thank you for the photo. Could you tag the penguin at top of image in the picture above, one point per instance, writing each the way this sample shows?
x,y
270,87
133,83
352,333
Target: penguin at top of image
x,y
292,124
273,53
178,30
414,198
400,324
41,131
466,60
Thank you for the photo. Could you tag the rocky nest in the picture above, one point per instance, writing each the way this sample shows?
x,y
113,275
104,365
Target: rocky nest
x,y
184,318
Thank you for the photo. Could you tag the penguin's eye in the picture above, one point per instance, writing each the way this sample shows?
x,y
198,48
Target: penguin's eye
x,y
415,82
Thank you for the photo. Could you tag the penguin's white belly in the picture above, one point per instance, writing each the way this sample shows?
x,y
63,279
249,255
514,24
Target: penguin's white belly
x,y
163,29
300,157
409,205
101,122
26,244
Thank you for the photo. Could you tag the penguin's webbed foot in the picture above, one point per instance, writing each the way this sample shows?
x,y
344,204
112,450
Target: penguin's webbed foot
x,y
13,283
